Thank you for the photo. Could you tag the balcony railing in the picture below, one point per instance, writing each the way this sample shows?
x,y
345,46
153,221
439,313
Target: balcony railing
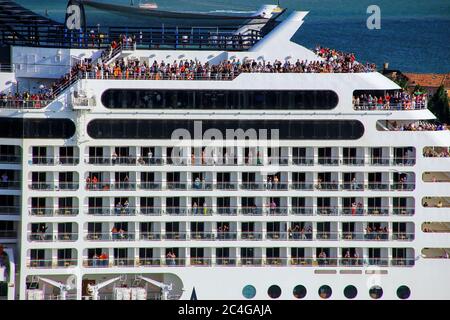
x,y
175,236
303,161
149,262
195,261
48,161
419,105
252,235
399,186
402,262
150,236
327,235
50,264
123,262
352,186
50,212
226,235
150,211
106,211
9,210
8,234
150,186
23,104
45,237
327,211
176,211
10,159
242,262
382,186
328,161
203,235
300,235
233,186
230,161
224,261
96,263
353,161
290,235
110,236
228,211
302,211
200,211
48,186
403,211
68,160
329,186
10,185
301,186
404,236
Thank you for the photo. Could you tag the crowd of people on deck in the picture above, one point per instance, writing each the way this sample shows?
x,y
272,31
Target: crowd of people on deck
x,y
418,126
24,99
333,61
436,152
398,100
336,61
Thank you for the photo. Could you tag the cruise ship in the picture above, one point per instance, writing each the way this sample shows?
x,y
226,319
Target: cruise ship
x,y
212,163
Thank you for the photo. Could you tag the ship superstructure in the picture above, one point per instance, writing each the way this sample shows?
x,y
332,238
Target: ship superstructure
x,y
240,164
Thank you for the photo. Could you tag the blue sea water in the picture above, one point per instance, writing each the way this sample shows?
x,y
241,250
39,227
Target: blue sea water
x,y
414,34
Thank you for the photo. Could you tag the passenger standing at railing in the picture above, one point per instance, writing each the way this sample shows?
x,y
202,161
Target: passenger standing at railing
x,y
95,260
275,181
118,208
126,182
4,261
5,180
197,183
114,233
94,182
353,183
269,183
273,207
150,157
114,157
203,184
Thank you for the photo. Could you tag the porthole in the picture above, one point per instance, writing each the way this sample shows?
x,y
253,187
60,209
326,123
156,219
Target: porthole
x,y
274,292
376,292
249,291
350,292
325,292
403,292
299,292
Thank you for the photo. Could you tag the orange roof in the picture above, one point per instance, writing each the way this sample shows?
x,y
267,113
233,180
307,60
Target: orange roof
x,y
430,80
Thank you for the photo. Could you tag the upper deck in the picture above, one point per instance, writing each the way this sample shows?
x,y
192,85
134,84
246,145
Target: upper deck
x,y
162,30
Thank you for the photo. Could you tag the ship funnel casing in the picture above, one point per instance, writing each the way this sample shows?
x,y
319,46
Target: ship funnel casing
x,y
278,44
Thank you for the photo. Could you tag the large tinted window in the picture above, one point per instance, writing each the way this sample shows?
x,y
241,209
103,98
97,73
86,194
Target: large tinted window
x,y
219,99
287,129
36,128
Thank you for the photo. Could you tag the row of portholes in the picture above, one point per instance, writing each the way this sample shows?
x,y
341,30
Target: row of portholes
x,y
325,292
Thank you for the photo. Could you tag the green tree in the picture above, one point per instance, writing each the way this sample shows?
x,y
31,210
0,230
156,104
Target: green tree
x,y
419,89
438,104
402,82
